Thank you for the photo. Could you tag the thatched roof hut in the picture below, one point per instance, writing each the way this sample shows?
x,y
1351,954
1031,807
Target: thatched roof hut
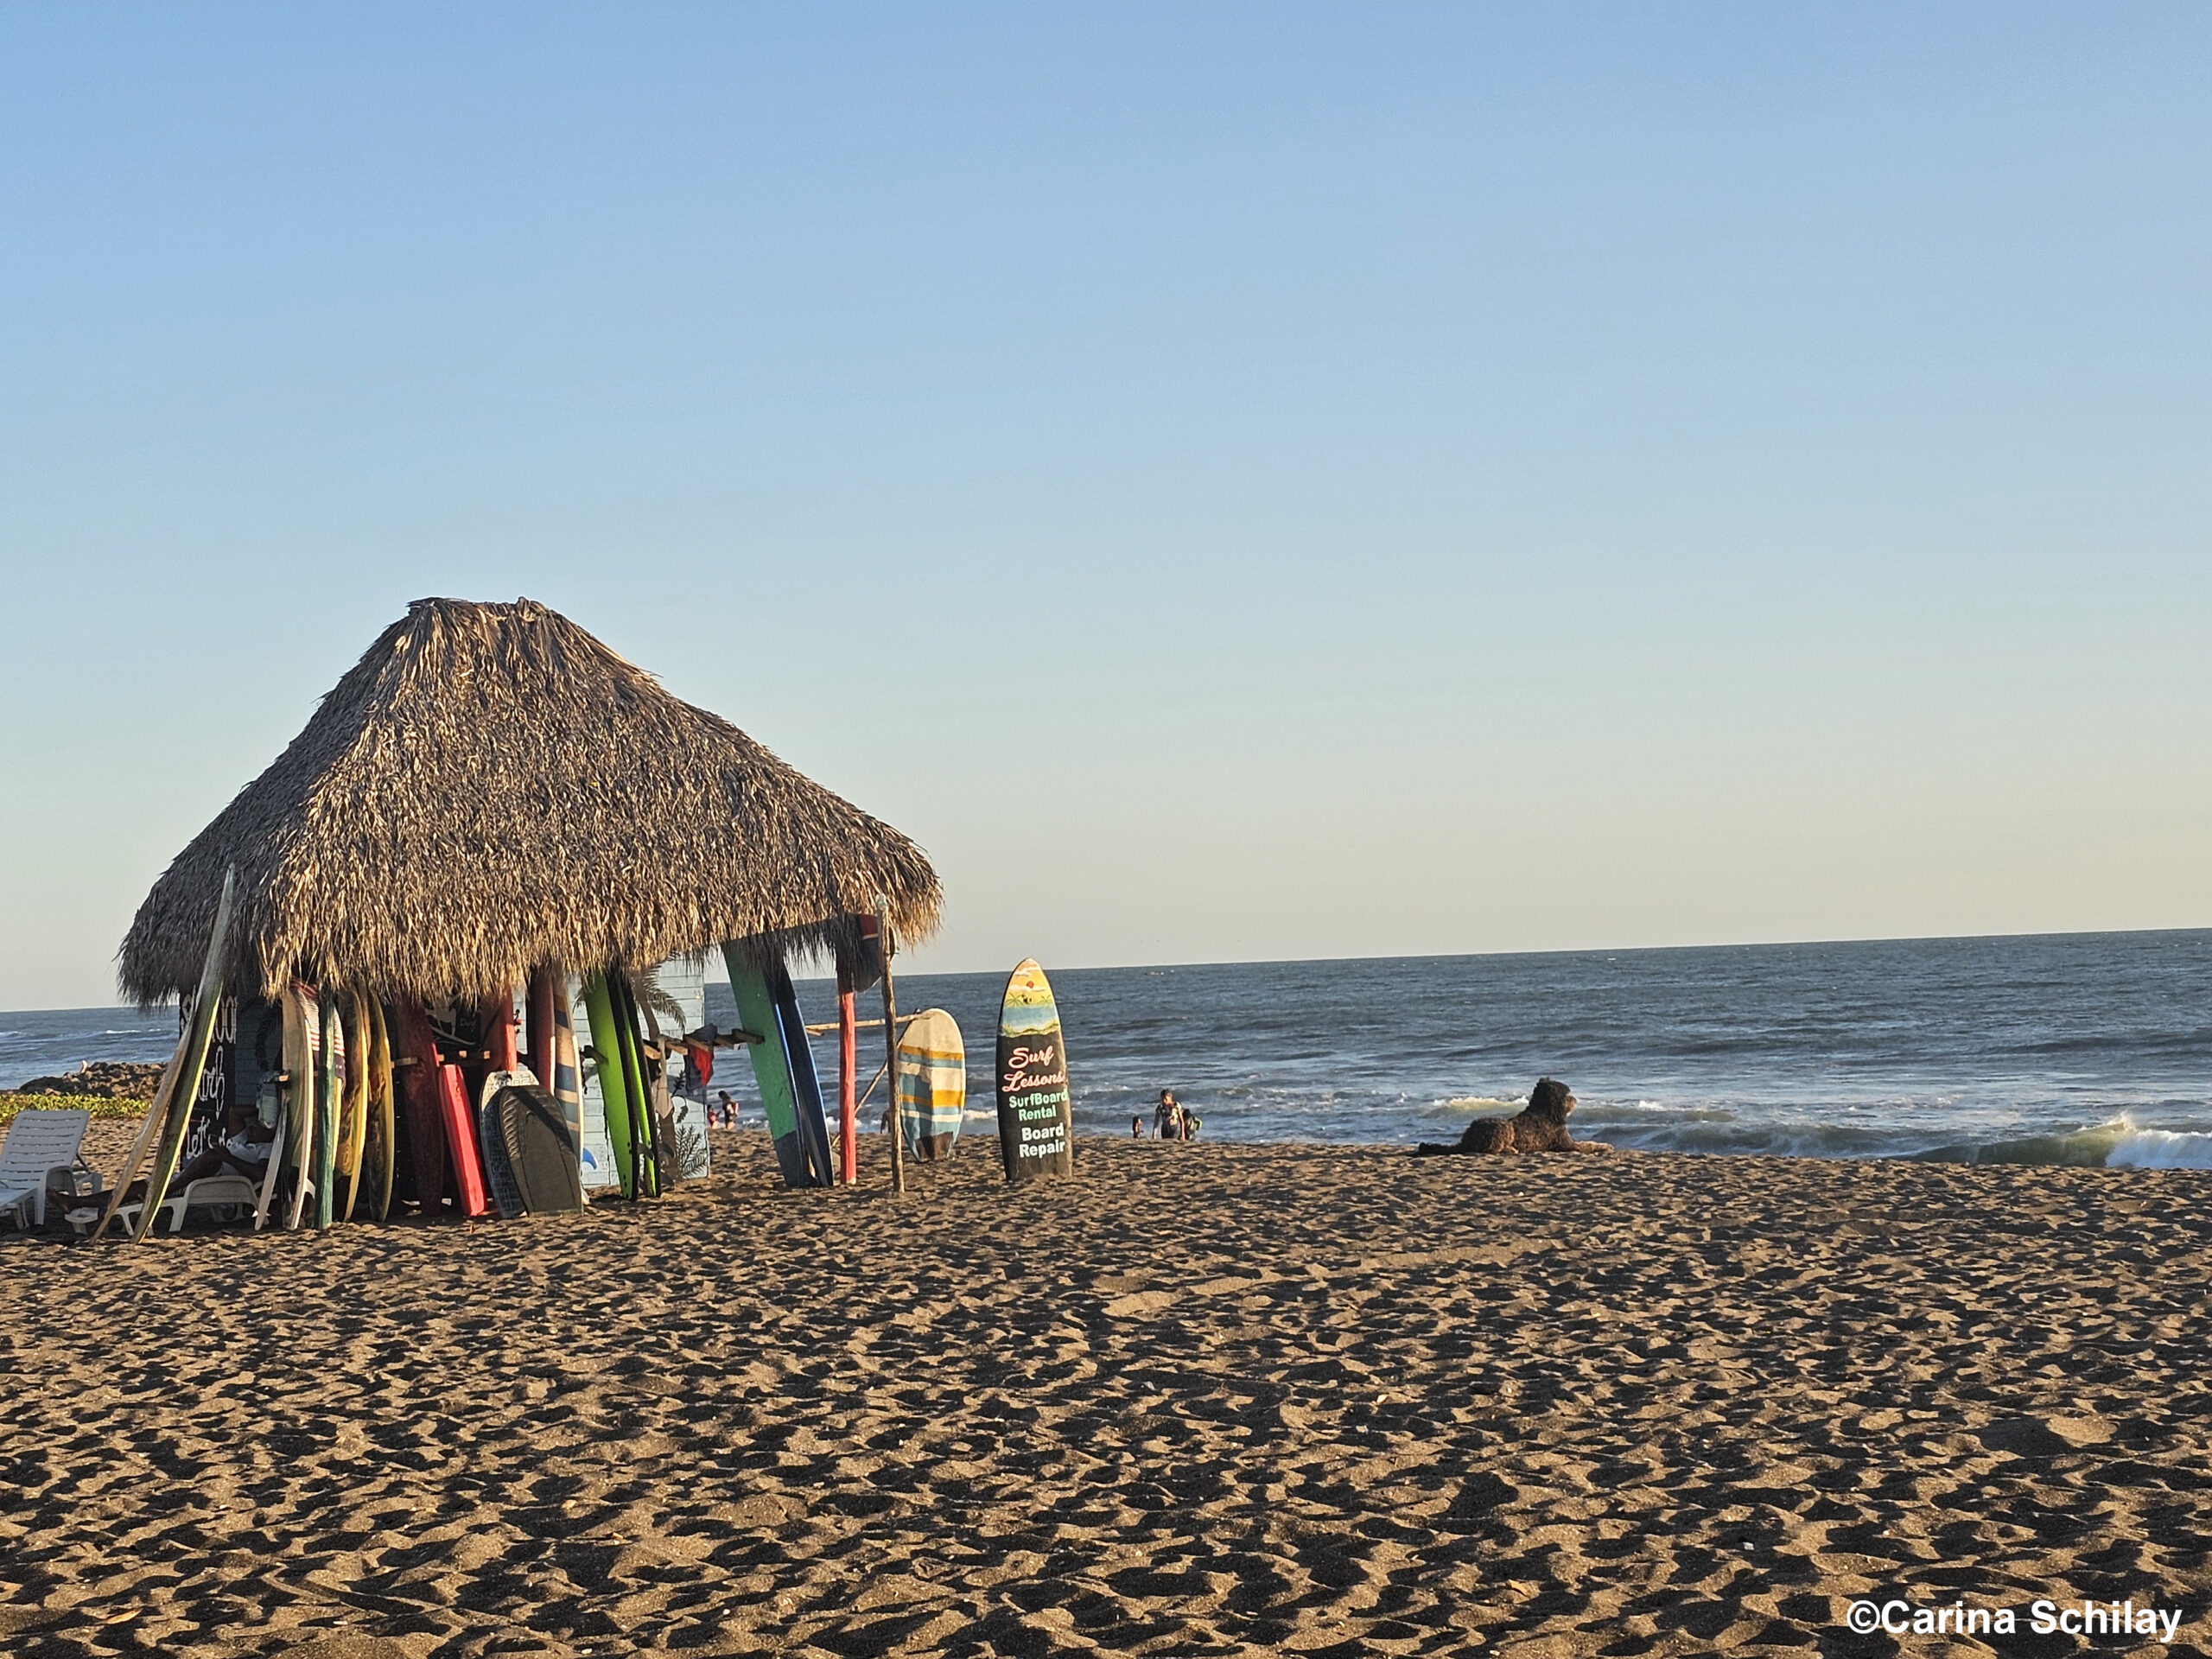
x,y
490,789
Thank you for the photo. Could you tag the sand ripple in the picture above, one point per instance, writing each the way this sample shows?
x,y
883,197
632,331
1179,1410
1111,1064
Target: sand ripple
x,y
1211,1400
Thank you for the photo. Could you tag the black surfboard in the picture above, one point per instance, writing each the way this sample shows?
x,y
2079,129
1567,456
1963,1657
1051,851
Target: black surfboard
x,y
533,1132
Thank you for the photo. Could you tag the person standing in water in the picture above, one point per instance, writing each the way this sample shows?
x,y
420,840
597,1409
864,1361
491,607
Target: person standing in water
x,y
1172,1121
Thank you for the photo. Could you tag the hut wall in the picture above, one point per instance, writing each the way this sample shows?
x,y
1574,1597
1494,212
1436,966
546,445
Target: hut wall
x,y
684,981
259,1054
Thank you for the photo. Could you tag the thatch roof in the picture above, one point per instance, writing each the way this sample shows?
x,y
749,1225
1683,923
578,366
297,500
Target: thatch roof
x,y
491,788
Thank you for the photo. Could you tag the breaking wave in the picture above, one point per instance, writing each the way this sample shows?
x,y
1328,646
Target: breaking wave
x,y
2118,1144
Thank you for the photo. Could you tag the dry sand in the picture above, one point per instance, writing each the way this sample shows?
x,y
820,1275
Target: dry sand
x,y
1210,1399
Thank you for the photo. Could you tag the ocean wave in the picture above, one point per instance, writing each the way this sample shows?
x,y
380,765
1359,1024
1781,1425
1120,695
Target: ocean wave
x,y
2080,1148
2116,1144
2161,1149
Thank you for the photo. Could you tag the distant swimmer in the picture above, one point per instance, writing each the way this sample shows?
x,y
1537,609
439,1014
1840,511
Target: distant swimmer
x,y
1172,1121
1541,1128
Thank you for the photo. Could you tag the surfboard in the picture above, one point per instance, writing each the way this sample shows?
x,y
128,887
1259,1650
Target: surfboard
x,y
417,1066
658,1054
756,1008
931,1088
352,1102
1036,1113
566,1083
461,1142
613,1088
329,1082
540,1152
806,1086
303,1057
499,1171
636,1085
184,1082
537,1033
382,1145
269,1176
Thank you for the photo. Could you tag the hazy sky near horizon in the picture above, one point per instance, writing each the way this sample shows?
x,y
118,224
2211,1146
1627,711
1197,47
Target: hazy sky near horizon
x,y
1231,481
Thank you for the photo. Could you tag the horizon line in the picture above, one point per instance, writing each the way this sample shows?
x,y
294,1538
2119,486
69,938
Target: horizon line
x,y
1419,955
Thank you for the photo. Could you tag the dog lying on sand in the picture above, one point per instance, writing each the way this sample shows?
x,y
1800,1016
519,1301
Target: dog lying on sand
x,y
1541,1128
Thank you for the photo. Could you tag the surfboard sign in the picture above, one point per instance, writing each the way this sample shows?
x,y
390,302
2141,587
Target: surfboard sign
x,y
1036,1114
932,1084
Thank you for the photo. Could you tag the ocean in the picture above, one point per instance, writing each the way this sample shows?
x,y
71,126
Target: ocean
x,y
2069,1048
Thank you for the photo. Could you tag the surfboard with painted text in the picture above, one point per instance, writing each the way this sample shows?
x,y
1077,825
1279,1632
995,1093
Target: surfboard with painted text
x,y
1036,1114
932,1084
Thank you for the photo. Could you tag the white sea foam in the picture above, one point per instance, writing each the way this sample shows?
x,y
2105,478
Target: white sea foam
x,y
2161,1149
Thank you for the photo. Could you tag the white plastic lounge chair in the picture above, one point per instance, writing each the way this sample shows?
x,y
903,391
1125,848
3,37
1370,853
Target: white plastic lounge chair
x,y
40,1145
232,1195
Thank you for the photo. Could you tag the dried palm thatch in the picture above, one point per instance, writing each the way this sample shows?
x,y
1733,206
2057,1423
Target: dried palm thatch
x,y
491,788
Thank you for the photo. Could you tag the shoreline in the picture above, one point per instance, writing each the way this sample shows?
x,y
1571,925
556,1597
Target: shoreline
x,y
107,1138
1218,1397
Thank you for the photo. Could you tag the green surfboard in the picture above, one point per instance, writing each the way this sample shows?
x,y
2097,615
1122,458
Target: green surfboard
x,y
607,1043
637,1087
756,1008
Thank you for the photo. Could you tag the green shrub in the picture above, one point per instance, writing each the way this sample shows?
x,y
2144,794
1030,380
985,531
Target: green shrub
x,y
12,1104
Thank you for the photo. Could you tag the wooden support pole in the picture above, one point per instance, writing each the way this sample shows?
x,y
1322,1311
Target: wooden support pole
x,y
497,1016
848,1152
891,1057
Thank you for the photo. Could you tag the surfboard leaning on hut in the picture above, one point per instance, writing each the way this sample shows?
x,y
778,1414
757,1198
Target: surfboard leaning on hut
x,y
630,828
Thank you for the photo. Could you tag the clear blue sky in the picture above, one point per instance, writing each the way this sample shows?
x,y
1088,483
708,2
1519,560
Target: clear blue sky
x,y
1454,479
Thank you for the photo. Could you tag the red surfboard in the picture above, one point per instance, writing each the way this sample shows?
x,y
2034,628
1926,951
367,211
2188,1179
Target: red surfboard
x,y
418,1086
461,1142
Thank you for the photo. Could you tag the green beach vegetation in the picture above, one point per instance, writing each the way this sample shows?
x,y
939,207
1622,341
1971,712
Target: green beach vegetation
x,y
12,1103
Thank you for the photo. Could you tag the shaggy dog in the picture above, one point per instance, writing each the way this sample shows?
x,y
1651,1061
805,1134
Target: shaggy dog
x,y
1542,1128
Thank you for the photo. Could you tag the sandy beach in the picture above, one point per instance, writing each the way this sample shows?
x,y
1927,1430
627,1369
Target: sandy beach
x,y
1213,1399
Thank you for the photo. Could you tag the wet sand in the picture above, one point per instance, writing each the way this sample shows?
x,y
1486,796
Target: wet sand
x,y
1210,1399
